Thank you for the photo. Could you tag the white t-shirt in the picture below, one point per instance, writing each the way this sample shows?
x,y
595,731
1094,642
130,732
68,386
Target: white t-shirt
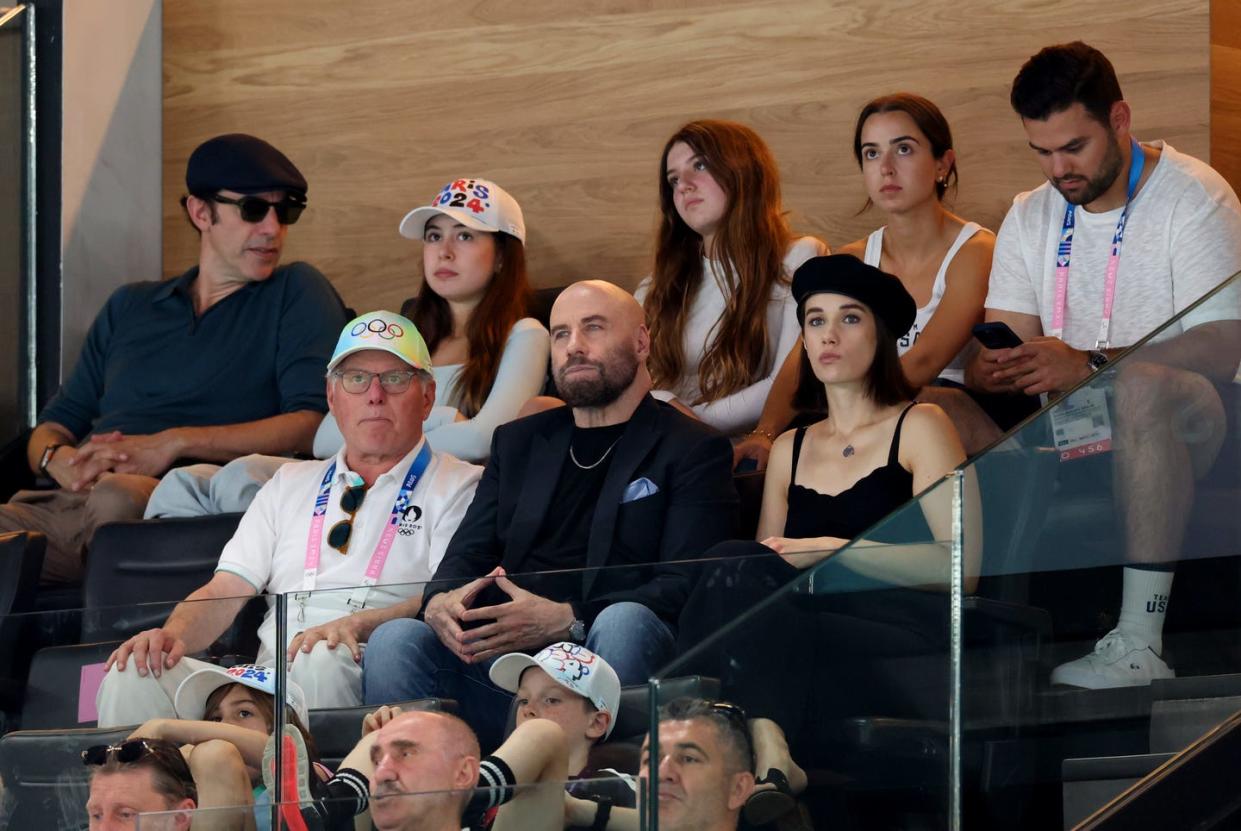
x,y
268,550
520,377
955,370
739,411
1182,239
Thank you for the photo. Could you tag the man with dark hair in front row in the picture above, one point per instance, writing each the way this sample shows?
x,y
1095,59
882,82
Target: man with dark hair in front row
x,y
223,361
138,776
704,768
610,492
1122,237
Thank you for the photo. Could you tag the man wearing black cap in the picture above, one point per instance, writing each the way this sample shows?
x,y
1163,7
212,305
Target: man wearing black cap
x,y
224,360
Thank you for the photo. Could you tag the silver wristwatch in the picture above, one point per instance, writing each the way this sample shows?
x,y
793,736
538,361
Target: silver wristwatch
x,y
577,631
1096,359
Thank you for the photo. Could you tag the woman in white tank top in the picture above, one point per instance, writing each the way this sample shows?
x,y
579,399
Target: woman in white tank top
x,y
904,147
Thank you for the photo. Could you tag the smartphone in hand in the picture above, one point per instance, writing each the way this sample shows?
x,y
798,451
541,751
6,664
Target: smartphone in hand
x,y
996,335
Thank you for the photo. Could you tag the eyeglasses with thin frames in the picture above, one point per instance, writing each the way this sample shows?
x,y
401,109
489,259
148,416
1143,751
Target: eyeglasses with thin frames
x,y
358,381
254,208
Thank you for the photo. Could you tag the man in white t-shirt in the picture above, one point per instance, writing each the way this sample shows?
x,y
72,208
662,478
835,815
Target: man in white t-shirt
x,y
1180,239
352,539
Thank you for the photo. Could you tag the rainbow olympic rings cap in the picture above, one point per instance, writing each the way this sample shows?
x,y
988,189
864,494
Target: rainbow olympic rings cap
x,y
385,331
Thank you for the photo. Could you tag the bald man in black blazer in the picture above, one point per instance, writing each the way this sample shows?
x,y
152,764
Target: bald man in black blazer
x,y
579,528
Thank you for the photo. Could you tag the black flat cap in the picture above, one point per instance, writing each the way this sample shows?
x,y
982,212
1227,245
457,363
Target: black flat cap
x,y
843,274
241,163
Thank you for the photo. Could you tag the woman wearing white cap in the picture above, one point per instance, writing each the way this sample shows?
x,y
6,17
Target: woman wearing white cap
x,y
717,301
225,721
489,358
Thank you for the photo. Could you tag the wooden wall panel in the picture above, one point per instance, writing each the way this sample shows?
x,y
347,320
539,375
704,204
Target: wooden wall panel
x,y
1226,89
567,105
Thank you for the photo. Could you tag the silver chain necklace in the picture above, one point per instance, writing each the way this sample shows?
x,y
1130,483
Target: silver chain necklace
x,y
596,464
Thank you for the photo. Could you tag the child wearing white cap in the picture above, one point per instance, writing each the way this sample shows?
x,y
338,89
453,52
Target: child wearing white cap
x,y
225,716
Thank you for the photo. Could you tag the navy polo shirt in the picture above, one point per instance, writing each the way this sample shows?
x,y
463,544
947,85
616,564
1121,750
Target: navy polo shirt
x,y
149,364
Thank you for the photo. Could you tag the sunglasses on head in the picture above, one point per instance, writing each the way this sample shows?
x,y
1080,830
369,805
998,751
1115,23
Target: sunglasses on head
x,y
350,502
133,750
255,208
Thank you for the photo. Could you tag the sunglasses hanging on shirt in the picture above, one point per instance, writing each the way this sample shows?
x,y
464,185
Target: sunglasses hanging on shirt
x,y
350,502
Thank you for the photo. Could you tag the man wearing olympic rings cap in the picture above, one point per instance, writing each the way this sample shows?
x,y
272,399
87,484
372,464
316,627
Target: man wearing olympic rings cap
x,y
352,538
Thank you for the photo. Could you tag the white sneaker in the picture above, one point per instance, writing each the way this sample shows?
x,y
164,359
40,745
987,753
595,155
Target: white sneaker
x,y
1118,660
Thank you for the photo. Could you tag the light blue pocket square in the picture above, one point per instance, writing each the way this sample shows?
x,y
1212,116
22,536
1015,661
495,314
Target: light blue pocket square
x,y
639,489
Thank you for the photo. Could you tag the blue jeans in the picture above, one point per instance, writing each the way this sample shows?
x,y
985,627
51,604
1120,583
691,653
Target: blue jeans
x,y
405,660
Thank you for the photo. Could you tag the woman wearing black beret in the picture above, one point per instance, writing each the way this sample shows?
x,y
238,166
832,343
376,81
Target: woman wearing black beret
x,y
825,486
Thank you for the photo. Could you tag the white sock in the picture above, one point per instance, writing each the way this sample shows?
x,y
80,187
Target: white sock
x,y
1144,605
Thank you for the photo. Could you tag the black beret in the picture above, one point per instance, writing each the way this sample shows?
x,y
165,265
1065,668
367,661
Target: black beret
x,y
843,274
241,163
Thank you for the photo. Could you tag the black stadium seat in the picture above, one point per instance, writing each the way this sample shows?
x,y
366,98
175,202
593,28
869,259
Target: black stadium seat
x,y
152,562
21,558
44,780
55,679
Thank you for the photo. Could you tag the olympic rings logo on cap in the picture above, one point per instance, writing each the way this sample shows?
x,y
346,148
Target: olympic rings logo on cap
x,y
377,328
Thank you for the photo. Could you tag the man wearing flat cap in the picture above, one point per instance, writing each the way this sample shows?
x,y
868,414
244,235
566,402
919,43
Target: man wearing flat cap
x,y
224,360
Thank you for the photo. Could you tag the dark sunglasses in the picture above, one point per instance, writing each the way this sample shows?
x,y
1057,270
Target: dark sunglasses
x,y
133,750
254,208
350,502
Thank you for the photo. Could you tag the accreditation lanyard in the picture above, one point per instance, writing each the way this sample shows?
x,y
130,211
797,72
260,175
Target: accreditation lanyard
x,y
1065,252
314,541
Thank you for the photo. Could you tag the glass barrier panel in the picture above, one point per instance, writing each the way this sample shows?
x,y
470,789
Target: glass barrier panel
x,y
56,691
827,667
1105,630
405,662
537,805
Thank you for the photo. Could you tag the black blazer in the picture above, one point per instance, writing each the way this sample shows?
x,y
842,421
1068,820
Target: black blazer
x,y
694,508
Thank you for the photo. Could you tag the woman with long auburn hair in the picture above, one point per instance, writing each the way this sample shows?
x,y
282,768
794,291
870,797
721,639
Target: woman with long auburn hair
x,y
717,301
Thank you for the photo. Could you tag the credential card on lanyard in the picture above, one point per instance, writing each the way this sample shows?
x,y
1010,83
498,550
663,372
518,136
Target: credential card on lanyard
x,y
374,568
1080,423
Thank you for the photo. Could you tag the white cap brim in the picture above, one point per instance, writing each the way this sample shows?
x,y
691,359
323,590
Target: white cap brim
x,y
506,672
415,222
190,701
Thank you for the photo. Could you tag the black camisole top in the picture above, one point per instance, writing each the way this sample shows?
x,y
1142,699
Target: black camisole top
x,y
849,513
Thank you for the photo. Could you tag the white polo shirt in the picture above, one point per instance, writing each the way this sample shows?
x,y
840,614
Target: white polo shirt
x,y
268,550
